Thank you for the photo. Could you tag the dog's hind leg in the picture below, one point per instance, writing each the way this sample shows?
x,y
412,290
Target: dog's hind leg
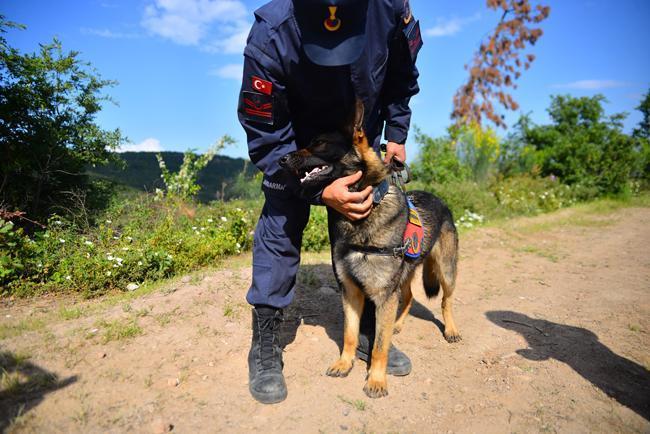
x,y
407,301
377,386
446,258
353,300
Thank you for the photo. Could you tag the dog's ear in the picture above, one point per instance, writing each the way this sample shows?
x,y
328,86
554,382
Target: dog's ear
x,y
359,111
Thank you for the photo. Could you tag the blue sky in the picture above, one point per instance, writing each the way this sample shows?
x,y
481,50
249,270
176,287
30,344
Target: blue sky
x,y
178,61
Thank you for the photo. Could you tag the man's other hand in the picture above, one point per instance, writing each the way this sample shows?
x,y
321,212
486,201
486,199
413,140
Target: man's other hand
x,y
395,150
353,205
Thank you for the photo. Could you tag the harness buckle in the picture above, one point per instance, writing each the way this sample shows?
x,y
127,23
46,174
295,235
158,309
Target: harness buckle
x,y
398,252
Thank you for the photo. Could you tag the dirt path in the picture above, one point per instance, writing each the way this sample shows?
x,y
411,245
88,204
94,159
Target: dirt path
x,y
554,313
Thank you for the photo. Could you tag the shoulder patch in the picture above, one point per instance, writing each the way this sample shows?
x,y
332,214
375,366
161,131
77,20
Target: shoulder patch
x,y
413,37
257,107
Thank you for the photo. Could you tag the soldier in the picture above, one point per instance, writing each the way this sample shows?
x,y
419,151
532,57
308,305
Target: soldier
x,y
305,63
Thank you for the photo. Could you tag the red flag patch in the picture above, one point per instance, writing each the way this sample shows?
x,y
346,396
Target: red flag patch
x,y
266,87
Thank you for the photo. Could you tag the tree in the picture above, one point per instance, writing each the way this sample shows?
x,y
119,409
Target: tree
x,y
643,130
583,146
48,135
497,64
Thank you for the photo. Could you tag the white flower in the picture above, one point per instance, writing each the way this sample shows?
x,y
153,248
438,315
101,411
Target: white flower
x,y
125,249
108,273
169,256
68,277
193,228
202,228
238,209
115,265
118,260
61,240
129,239
109,221
238,245
58,222
210,220
116,238
139,262
224,219
88,243
109,256
87,255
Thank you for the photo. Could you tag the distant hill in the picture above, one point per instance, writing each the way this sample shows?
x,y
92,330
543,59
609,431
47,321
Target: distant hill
x,y
142,172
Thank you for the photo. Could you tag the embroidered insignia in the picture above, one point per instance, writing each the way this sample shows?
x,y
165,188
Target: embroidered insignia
x,y
262,85
408,14
414,38
257,107
414,233
332,23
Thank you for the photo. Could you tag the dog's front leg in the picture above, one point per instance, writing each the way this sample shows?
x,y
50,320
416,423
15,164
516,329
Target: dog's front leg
x,y
353,300
376,386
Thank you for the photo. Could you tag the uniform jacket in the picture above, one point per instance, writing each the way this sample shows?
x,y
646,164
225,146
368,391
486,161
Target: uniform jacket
x,y
286,99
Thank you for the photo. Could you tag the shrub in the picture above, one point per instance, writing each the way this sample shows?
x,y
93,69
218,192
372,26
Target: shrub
x,y
526,194
316,236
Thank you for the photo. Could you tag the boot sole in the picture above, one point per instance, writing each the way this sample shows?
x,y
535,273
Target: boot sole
x,y
268,398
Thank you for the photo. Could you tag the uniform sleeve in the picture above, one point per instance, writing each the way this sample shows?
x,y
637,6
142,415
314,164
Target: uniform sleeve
x,y
402,76
264,114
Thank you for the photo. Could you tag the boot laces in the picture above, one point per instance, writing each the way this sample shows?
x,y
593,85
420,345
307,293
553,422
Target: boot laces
x,y
269,340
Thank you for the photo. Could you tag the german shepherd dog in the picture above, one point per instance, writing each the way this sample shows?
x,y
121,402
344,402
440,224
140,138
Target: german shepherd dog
x,y
360,271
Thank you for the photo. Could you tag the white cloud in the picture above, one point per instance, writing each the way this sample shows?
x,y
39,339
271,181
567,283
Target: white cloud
x,y
147,145
213,25
233,71
591,84
451,26
106,33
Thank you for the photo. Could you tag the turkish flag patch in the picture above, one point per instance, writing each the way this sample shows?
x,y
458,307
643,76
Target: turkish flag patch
x,y
266,87
257,107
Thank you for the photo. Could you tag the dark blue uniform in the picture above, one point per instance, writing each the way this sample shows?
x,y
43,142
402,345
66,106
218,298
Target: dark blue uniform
x,y
286,100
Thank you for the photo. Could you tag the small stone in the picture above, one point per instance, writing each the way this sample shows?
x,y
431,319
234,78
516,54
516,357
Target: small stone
x,y
346,411
186,279
101,355
211,364
327,290
173,382
343,427
161,427
205,377
132,286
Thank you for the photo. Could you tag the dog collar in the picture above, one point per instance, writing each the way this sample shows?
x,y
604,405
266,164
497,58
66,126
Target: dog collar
x,y
379,191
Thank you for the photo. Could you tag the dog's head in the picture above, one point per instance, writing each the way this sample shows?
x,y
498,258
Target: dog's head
x,y
337,154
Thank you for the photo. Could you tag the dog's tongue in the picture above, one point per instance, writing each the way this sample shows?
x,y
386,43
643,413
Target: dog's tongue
x,y
314,171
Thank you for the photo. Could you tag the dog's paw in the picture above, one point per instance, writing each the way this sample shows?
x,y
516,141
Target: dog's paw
x,y
340,368
376,389
453,337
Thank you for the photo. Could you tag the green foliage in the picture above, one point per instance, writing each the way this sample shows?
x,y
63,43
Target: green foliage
x,y
139,240
437,161
48,104
245,186
478,150
525,194
316,236
183,184
643,130
582,146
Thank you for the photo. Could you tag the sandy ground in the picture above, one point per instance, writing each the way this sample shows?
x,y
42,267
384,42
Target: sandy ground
x,y
554,312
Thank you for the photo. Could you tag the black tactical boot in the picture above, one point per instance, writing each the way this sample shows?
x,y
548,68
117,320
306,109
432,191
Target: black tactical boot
x,y
398,363
265,379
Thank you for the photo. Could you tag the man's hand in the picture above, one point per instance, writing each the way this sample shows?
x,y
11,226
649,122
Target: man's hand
x,y
395,150
353,205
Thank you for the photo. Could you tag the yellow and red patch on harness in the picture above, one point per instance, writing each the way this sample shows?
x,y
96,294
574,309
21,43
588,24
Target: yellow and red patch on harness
x,y
414,233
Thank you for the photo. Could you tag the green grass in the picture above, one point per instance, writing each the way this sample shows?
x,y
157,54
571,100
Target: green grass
x,y
357,404
553,257
21,327
119,329
70,313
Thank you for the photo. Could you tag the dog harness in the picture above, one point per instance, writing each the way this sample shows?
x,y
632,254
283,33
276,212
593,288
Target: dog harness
x,y
411,246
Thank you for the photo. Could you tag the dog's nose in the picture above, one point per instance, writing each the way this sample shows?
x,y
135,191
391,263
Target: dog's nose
x,y
284,160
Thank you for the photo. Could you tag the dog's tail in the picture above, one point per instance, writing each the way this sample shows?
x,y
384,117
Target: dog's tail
x,y
429,277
